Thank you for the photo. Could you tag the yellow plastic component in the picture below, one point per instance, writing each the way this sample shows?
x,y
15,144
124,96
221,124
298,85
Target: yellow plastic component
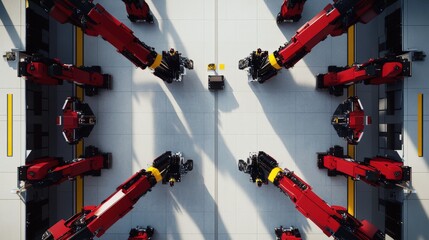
x,y
351,91
420,125
221,66
273,62
9,125
79,183
273,174
258,182
211,66
157,62
155,173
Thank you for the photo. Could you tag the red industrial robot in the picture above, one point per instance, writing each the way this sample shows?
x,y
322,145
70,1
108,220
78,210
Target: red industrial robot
x,y
374,72
48,171
349,120
290,11
138,11
77,120
287,233
140,233
95,20
332,220
333,20
42,70
94,221
373,171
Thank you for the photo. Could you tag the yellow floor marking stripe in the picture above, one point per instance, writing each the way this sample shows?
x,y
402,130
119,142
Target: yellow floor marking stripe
x,y
420,124
9,125
79,93
351,151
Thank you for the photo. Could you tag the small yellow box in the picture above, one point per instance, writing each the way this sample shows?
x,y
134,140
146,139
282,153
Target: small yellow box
x,y
211,66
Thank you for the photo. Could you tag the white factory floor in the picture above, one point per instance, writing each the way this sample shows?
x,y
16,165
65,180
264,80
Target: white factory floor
x,y
142,117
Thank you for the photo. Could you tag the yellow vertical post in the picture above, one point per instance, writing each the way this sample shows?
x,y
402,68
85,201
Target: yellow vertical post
x,y
79,93
9,125
420,125
351,151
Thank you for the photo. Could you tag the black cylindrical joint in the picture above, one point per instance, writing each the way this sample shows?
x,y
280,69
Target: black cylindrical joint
x,y
22,173
266,162
162,162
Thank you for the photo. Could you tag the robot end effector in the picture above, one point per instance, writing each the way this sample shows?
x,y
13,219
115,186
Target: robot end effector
x,y
260,66
172,66
258,166
172,167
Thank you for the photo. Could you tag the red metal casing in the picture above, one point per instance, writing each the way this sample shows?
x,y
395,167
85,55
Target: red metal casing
x,y
332,220
97,219
38,72
333,20
287,233
118,204
77,120
94,221
49,166
39,168
288,236
290,11
82,165
373,72
141,236
94,20
349,120
48,171
375,171
109,28
328,218
138,10
308,36
140,233
70,120
327,22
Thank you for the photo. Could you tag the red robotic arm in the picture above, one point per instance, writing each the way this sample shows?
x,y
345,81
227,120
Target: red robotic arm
x,y
290,11
287,233
47,71
95,220
373,72
138,11
349,120
78,120
333,20
48,171
95,20
332,220
374,171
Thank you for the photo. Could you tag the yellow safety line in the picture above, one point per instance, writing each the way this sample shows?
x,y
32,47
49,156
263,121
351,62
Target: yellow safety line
x,y
79,93
351,151
420,124
9,125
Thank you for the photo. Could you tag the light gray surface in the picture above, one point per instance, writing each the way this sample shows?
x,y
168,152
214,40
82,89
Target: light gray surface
x,y
416,206
142,117
12,36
